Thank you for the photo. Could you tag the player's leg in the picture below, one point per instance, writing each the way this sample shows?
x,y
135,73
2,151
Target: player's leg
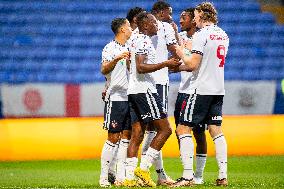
x,y
193,111
122,149
215,130
162,126
150,133
137,134
179,105
112,123
201,153
112,167
186,155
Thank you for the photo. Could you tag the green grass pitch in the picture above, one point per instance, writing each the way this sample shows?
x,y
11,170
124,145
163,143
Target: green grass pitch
x,y
244,172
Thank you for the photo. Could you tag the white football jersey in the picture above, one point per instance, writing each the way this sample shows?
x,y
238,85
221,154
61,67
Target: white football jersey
x,y
117,79
212,43
166,36
185,76
141,83
133,36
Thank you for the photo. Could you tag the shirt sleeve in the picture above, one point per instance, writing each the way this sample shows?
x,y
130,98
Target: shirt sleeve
x,y
106,55
198,43
143,46
169,34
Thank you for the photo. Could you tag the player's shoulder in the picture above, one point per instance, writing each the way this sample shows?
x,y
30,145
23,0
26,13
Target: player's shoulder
x,y
166,26
222,31
142,37
110,45
199,33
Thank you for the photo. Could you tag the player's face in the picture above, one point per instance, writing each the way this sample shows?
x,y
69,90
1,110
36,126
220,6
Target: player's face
x,y
166,15
127,29
197,19
152,25
185,21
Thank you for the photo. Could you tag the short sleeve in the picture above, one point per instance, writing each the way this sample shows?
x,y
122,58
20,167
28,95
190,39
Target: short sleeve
x,y
198,43
106,55
143,46
169,34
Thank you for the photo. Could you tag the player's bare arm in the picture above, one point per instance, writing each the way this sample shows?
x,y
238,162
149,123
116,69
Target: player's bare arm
x,y
180,68
148,68
108,66
192,61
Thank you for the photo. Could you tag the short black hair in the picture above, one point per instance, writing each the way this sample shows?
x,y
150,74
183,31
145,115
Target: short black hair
x,y
159,6
190,11
133,12
141,17
116,24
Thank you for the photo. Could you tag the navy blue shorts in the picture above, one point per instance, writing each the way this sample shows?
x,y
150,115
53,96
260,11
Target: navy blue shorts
x,y
117,116
146,107
200,109
163,91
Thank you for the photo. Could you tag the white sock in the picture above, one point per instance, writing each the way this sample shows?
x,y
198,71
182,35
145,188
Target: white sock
x,y
221,155
131,164
200,165
106,158
121,158
158,163
148,159
148,137
112,166
186,155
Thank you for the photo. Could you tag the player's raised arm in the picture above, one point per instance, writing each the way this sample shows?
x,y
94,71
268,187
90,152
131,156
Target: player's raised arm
x,y
192,62
147,68
108,66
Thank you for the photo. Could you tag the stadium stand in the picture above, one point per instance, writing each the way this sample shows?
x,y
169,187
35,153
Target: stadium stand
x,y
61,41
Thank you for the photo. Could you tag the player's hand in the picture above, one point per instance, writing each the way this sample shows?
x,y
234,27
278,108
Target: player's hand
x,y
173,62
188,45
180,50
124,55
174,69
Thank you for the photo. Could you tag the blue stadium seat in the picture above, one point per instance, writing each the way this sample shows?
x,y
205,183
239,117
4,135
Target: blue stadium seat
x,y
251,74
68,37
232,75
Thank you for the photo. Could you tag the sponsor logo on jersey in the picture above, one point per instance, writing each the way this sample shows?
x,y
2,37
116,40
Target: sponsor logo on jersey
x,y
218,37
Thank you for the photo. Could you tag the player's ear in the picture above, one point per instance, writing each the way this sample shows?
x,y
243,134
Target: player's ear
x,y
135,20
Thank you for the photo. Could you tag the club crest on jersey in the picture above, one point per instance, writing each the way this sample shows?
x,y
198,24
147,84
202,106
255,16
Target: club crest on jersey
x,y
114,124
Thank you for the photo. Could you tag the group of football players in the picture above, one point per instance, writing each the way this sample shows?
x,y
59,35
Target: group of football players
x,y
146,48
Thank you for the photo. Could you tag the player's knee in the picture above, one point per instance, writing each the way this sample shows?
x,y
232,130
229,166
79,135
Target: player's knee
x,y
214,130
114,137
169,131
137,138
181,130
126,134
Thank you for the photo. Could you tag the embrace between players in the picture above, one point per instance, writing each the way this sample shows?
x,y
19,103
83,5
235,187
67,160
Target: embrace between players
x,y
136,65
